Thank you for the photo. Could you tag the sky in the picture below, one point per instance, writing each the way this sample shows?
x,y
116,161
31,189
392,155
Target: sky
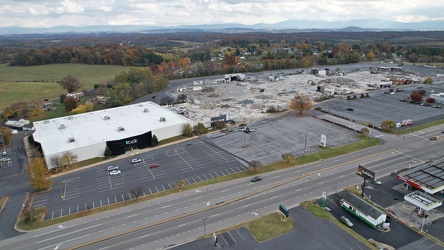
x,y
51,13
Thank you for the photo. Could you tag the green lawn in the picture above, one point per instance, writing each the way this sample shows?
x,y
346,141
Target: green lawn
x,y
269,226
18,83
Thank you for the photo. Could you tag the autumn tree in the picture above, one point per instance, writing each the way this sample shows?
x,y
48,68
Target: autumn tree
x,y
187,130
201,129
428,80
365,131
70,83
33,215
68,158
70,103
370,56
301,103
38,174
388,126
181,185
430,100
6,135
415,96
287,157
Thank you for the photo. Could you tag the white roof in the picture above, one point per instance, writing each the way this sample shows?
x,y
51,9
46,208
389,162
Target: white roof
x,y
95,127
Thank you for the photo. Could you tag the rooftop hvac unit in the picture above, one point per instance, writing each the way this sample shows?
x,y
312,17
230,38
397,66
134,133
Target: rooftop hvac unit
x,y
120,129
62,126
162,119
70,117
71,139
146,110
106,117
140,105
45,122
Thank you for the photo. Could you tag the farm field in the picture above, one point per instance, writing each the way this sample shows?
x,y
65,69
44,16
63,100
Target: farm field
x,y
40,82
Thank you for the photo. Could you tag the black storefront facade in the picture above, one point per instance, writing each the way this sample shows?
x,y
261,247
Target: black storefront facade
x,y
119,147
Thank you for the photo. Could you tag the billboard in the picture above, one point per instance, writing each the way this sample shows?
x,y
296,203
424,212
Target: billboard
x,y
365,173
283,210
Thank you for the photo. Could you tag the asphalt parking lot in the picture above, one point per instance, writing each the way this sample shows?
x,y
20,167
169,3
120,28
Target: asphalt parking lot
x,y
380,106
286,133
310,233
193,161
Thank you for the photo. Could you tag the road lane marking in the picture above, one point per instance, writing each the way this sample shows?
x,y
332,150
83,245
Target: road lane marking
x,y
58,236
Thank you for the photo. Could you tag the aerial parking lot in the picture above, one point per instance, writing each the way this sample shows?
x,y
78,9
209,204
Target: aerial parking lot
x,y
192,161
379,107
276,135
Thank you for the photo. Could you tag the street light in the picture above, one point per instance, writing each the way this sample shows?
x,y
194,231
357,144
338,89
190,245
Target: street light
x,y
205,230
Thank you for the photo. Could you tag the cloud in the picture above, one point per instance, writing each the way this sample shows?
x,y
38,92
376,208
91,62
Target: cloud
x,y
47,13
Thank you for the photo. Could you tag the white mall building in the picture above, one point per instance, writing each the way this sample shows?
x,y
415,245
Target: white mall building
x,y
120,129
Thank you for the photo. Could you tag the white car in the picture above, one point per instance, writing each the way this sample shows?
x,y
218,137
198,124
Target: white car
x,y
115,172
4,153
111,168
135,160
5,159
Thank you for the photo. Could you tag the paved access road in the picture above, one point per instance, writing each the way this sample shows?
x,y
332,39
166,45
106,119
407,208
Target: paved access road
x,y
305,183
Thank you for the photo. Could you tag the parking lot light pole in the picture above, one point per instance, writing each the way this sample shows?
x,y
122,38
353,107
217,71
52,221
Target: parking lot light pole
x,y
205,230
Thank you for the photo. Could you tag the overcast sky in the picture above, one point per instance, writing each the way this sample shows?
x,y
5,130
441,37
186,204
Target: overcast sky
x,y
50,13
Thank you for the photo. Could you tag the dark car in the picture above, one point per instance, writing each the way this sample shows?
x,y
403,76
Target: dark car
x,y
155,165
433,138
350,109
256,178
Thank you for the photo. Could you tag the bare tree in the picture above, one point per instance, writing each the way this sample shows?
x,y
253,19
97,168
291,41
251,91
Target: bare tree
x,y
136,191
255,165
181,185
301,103
68,158
70,83
56,160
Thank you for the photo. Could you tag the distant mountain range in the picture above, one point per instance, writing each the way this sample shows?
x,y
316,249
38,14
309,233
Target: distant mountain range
x,y
285,26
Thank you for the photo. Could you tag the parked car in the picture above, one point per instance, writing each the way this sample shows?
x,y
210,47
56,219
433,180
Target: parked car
x,y
243,129
346,221
248,130
111,168
256,178
135,160
6,159
155,165
4,153
433,138
436,106
350,109
115,172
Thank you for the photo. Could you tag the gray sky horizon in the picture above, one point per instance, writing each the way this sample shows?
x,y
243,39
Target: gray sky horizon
x,y
78,13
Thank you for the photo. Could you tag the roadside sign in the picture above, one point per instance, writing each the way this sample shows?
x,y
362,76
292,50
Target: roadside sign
x,y
283,210
323,140
365,173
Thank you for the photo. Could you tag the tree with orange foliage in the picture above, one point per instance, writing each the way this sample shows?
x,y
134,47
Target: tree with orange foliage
x,y
301,102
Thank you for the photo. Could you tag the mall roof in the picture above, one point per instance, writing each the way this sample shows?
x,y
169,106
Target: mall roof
x,y
66,133
429,176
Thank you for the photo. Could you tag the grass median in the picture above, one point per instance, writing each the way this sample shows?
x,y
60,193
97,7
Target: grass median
x,y
321,155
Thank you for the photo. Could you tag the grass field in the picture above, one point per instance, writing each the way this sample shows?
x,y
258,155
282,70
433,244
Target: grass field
x,y
40,82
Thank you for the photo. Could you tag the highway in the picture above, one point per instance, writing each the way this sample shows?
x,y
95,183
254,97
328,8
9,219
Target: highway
x,y
177,218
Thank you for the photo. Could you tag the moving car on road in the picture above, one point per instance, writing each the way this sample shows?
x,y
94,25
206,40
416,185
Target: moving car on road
x,y
433,138
376,182
346,221
114,172
256,178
